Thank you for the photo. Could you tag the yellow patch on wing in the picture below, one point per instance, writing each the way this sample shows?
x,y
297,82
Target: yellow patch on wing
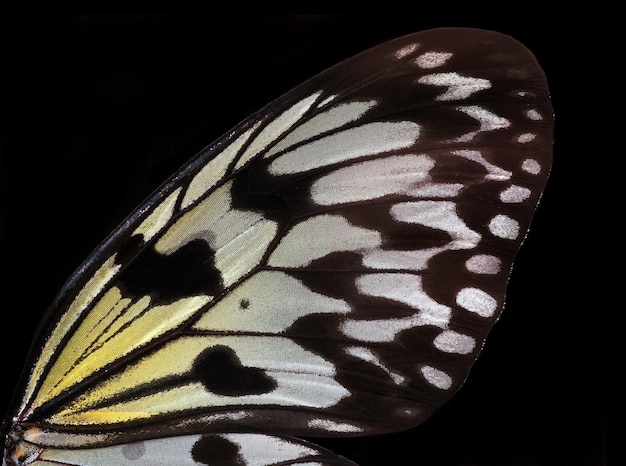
x,y
113,329
303,379
83,299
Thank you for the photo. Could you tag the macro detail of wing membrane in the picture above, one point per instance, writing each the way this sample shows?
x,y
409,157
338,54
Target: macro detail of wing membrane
x,y
330,267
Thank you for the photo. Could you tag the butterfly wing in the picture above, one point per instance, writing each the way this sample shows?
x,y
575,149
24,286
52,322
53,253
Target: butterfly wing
x,y
331,266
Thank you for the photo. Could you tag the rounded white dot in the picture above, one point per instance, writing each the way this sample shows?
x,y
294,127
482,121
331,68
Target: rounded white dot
x,y
406,50
514,194
534,115
526,137
432,59
504,227
483,264
477,301
453,342
436,377
531,166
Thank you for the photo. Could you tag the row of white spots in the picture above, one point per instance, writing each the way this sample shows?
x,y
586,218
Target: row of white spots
x,y
437,215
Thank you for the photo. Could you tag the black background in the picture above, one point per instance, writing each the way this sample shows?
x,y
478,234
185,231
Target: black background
x,y
98,110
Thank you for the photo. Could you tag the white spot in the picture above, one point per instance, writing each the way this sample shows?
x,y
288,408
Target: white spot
x,y
319,236
327,100
459,87
526,137
331,426
534,115
453,342
488,121
430,60
494,172
504,227
400,174
322,123
261,449
437,214
406,50
531,166
477,301
436,377
515,194
219,418
361,141
385,259
403,288
276,128
484,264
366,355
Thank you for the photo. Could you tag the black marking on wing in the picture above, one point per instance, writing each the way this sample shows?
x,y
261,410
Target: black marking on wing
x,y
215,449
188,271
219,369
